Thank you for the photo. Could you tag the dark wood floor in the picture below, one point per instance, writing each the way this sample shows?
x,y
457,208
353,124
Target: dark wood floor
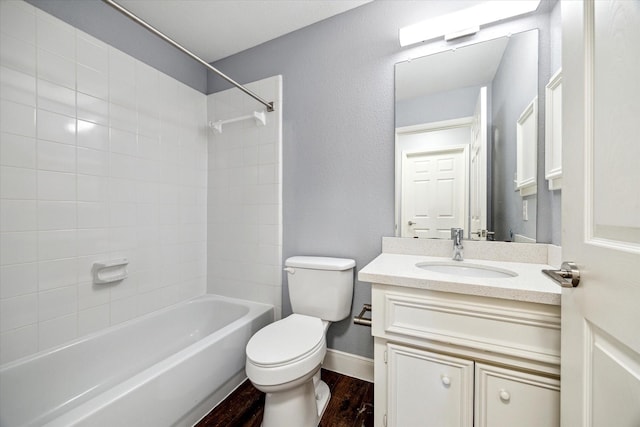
x,y
351,405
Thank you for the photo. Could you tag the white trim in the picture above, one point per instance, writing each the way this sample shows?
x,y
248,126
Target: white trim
x,y
553,129
349,364
434,126
437,150
527,149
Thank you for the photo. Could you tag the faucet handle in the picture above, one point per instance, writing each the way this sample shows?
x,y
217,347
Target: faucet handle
x,y
483,233
457,233
456,237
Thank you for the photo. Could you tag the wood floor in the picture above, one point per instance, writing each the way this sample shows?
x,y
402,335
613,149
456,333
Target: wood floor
x,y
351,405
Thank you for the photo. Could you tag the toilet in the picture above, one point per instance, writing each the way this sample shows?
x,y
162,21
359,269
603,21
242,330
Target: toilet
x,y
284,358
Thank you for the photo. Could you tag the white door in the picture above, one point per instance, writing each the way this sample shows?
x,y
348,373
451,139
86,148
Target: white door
x,y
433,192
601,213
478,170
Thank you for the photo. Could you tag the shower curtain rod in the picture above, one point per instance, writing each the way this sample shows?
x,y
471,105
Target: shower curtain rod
x,y
175,44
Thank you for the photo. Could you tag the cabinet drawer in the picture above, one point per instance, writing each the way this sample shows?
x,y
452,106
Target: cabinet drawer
x,y
506,398
428,389
526,330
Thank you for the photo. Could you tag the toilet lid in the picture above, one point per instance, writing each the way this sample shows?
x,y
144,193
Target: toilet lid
x,y
286,340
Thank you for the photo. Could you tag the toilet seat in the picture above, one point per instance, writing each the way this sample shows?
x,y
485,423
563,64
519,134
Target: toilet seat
x,y
286,350
286,341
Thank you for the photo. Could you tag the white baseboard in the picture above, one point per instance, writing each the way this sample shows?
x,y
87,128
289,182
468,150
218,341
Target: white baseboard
x,y
349,364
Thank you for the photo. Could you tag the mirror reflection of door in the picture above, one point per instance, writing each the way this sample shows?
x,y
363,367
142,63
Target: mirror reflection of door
x,y
433,187
434,178
444,86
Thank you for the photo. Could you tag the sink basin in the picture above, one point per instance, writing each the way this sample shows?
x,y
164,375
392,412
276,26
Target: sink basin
x,y
466,269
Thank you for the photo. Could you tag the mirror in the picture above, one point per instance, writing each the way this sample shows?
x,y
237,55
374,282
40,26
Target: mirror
x,y
461,115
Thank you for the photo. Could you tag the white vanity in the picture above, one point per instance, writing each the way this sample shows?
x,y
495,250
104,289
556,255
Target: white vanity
x,y
456,348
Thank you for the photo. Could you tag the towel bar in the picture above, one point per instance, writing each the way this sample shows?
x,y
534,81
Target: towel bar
x,y
360,319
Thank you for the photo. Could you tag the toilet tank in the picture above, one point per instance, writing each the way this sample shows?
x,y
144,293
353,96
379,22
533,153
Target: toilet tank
x,y
320,286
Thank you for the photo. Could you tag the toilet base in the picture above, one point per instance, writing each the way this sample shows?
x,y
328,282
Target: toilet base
x,y
322,398
301,406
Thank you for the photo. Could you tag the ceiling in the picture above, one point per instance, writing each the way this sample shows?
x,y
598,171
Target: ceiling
x,y
215,29
450,69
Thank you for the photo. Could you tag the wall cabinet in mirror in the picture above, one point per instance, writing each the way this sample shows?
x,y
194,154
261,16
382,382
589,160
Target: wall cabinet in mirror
x,y
553,132
527,150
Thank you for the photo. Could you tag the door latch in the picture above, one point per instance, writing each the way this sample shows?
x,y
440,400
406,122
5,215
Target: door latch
x,y
568,276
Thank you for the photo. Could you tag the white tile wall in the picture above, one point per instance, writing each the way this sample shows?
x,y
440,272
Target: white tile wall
x,y
101,156
245,197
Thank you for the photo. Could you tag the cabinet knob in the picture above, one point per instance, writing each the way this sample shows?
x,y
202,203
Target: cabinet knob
x,y
446,380
504,395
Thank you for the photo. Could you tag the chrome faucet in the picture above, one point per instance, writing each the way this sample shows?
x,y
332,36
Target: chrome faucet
x,y
456,236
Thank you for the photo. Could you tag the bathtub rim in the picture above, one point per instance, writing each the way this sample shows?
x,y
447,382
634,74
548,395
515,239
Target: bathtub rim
x,y
253,308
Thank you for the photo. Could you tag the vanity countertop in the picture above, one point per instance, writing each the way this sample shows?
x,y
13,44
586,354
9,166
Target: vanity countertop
x,y
530,285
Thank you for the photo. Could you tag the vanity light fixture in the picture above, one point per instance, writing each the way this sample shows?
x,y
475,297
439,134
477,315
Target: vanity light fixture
x,y
465,22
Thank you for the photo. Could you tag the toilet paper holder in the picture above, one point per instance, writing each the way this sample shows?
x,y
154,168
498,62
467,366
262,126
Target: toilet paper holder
x,y
360,319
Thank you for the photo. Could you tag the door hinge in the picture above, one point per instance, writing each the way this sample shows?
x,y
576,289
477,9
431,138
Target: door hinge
x,y
384,420
386,359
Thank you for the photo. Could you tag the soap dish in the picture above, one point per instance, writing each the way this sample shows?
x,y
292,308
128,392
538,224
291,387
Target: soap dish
x,y
110,271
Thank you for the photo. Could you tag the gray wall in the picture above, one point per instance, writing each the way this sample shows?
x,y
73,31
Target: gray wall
x,y
338,127
552,200
548,227
518,70
437,107
108,25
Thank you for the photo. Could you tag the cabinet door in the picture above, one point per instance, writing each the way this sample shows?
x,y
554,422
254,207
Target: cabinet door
x,y
508,398
428,389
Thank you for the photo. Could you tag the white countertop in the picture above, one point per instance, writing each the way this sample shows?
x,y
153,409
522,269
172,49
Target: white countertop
x,y
530,285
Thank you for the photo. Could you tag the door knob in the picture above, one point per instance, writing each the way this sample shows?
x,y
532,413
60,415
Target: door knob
x,y
568,276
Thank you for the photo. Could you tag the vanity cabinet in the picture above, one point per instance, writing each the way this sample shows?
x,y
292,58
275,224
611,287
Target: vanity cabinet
x,y
508,397
428,386
445,359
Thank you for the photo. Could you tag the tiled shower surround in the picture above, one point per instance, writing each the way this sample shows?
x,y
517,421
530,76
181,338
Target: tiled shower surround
x,y
101,157
245,192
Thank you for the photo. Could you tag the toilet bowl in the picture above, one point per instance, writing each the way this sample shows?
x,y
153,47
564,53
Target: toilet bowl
x,y
284,358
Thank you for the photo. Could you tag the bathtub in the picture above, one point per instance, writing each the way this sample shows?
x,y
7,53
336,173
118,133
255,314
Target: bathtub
x,y
167,368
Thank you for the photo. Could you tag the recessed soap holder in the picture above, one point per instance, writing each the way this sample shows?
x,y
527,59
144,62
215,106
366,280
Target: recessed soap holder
x,y
110,271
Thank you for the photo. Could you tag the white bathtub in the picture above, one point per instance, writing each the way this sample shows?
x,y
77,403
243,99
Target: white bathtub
x,y
168,368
